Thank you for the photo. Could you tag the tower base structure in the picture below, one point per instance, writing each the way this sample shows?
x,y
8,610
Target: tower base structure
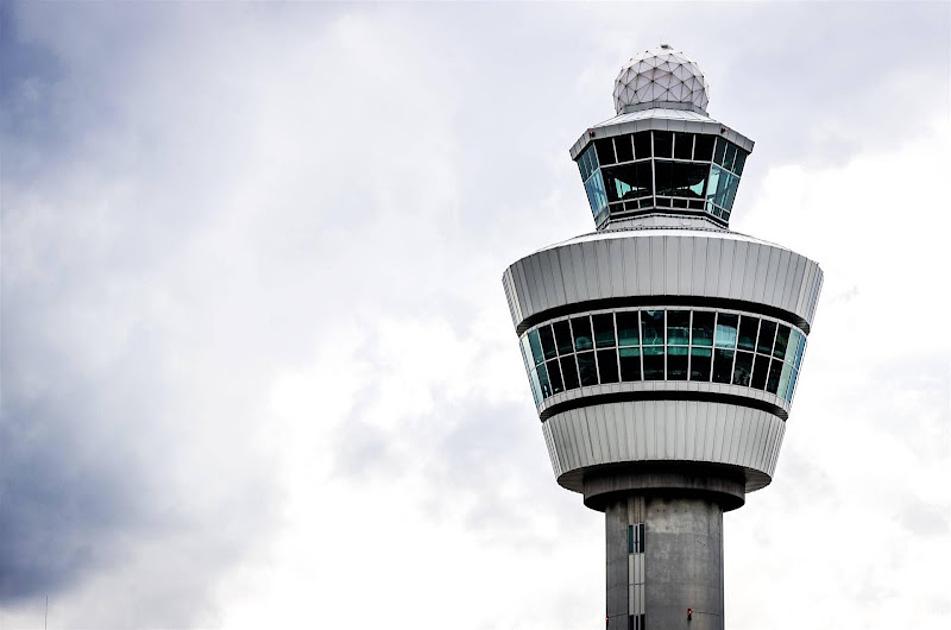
x,y
664,546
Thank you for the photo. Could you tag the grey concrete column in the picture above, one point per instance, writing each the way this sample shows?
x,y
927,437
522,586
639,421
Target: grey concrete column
x,y
683,556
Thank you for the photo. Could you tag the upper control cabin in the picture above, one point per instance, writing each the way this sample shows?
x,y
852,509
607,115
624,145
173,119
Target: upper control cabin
x,y
662,156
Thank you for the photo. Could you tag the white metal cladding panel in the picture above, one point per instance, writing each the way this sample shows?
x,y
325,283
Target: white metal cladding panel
x,y
664,264
664,430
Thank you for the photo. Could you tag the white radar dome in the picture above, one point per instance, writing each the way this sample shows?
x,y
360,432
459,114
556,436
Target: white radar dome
x,y
660,77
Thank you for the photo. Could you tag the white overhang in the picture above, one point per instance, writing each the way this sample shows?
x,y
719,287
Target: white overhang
x,y
659,119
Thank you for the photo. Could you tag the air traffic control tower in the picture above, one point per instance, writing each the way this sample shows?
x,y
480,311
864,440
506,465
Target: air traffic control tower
x,y
663,349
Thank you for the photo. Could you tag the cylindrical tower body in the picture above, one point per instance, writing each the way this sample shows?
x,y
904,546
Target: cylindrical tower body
x,y
663,350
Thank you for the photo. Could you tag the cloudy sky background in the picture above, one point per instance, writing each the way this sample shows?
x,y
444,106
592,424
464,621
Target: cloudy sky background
x,y
257,366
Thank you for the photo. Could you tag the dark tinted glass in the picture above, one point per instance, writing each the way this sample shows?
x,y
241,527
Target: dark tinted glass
x,y
563,337
760,370
548,342
782,340
630,364
654,363
581,327
743,369
663,141
702,328
652,328
586,369
642,145
554,375
747,338
543,381
767,331
627,328
726,330
690,180
700,364
679,179
703,149
569,372
678,328
722,366
629,181
683,146
677,363
775,371
605,151
729,156
622,145
607,366
740,161
718,153
603,330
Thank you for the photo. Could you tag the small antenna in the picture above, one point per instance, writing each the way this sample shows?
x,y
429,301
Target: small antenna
x,y
46,613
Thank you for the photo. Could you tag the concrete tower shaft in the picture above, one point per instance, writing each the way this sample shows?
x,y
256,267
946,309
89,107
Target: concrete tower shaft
x,y
663,350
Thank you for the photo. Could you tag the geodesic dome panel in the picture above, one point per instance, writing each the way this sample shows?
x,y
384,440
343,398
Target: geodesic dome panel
x,y
660,75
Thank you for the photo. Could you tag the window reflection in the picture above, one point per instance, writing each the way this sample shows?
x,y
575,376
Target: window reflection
x,y
662,345
661,170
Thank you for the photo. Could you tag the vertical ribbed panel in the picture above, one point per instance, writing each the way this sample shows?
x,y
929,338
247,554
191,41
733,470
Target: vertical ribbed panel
x,y
663,431
639,264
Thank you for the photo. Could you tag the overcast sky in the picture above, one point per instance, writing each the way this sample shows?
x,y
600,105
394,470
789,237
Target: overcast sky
x,y
257,365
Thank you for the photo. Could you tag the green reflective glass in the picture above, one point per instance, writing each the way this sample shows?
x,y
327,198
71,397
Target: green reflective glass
x,y
653,363
702,330
783,390
603,330
726,330
536,386
747,336
678,328
791,388
607,366
630,359
652,328
536,345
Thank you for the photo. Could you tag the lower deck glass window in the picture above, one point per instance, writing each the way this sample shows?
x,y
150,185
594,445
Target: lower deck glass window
x,y
654,344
